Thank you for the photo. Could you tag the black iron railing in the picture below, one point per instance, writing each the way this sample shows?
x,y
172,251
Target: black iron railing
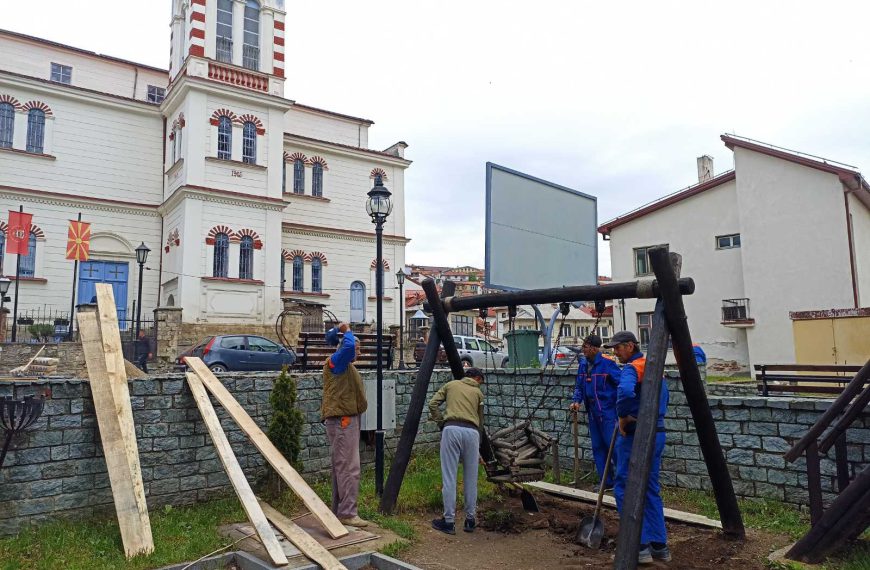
x,y
735,310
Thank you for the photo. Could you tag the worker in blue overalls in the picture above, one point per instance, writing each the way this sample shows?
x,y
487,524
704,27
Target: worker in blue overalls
x,y
595,388
653,537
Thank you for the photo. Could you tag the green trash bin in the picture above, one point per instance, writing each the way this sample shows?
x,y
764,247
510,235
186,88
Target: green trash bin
x,y
523,349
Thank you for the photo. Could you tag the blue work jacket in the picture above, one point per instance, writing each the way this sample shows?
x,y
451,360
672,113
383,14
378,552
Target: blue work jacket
x,y
628,392
341,358
595,385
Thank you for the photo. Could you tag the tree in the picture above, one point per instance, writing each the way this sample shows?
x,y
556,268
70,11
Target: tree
x,y
285,428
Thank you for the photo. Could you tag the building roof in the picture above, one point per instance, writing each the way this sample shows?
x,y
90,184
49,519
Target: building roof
x,y
81,51
309,108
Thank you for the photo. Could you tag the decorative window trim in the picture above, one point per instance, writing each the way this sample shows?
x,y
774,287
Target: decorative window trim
x,y
385,263
37,105
11,100
294,157
289,255
377,171
209,240
36,231
173,240
215,117
318,160
252,119
258,243
316,255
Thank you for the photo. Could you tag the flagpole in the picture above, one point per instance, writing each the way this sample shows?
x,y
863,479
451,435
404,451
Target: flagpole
x,y
17,273
72,304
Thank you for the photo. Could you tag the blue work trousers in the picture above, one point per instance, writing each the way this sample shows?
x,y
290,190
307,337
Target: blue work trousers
x,y
653,510
600,431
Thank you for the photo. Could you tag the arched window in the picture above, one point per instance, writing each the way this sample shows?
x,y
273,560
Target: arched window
x,y
298,176
2,250
246,258
28,262
224,42
316,275
249,143
357,302
174,142
317,179
7,124
178,141
35,130
225,138
284,177
221,255
297,273
251,45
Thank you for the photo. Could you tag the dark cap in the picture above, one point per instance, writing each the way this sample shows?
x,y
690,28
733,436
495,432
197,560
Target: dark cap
x,y
620,337
593,340
475,373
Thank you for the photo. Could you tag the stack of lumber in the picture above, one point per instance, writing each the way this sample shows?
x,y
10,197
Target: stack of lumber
x,y
521,446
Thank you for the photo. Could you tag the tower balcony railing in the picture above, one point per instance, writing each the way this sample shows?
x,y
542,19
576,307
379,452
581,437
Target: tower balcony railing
x,y
237,76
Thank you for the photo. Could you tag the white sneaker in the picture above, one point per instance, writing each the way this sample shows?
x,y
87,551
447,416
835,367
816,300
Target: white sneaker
x,y
355,521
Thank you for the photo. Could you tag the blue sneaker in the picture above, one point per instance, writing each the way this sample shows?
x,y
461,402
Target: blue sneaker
x,y
644,555
662,553
444,526
469,525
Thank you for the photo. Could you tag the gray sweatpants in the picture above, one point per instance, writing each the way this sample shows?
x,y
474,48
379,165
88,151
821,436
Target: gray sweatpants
x,y
344,453
459,442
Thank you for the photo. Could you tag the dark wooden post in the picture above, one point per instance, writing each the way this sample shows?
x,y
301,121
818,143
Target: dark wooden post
x,y
850,414
439,320
664,265
841,454
411,425
631,517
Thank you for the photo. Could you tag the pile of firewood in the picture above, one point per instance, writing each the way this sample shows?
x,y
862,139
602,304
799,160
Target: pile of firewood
x,y
521,446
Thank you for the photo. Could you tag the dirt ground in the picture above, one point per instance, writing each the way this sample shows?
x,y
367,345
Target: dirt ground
x,y
531,541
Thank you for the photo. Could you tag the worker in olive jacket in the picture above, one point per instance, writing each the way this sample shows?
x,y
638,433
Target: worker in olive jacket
x,y
344,399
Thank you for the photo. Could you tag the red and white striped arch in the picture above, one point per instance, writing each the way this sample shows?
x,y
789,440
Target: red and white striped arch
x,y
316,255
278,68
258,243
295,156
384,263
197,28
215,117
289,255
252,119
212,234
319,160
378,171
37,105
11,100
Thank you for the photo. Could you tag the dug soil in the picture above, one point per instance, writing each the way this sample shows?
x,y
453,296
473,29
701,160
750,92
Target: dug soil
x,y
508,537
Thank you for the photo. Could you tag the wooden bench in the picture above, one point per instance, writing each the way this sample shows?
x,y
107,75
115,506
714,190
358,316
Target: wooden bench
x,y
312,351
787,379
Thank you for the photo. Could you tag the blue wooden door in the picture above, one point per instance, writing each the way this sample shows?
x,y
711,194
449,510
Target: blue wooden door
x,y
114,272
357,302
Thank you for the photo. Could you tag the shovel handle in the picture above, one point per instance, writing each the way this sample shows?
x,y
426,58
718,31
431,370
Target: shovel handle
x,y
606,470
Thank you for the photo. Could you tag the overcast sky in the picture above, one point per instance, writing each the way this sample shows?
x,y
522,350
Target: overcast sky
x,y
615,99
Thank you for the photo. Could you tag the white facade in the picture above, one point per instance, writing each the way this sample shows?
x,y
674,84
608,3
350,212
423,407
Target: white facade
x,y
796,252
205,177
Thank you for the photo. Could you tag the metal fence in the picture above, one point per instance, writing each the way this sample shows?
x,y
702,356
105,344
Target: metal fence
x,y
45,325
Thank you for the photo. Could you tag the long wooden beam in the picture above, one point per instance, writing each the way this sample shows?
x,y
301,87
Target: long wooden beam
x,y
663,265
278,462
642,289
439,320
301,539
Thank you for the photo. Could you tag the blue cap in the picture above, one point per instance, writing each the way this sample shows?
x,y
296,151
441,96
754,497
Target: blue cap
x,y
332,336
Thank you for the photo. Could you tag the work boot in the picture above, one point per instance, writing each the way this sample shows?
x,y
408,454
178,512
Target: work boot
x,y
660,551
444,526
644,555
469,525
354,521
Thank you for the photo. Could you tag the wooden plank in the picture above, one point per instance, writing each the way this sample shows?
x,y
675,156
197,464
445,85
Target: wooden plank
x,y
301,539
590,497
133,370
23,369
235,473
125,475
268,449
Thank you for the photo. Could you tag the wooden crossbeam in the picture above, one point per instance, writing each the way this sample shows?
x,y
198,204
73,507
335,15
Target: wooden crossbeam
x,y
301,539
278,462
235,473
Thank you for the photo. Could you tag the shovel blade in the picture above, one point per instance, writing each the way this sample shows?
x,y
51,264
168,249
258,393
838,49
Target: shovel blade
x,y
529,503
590,533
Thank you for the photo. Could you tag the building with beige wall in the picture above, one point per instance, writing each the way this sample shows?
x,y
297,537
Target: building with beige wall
x,y
782,232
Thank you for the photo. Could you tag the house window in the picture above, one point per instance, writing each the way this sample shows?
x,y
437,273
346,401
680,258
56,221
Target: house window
x,y
283,272
35,130
284,177
246,258
644,327
156,94
297,273
178,132
317,180
61,73
172,152
224,40
316,275
641,260
28,262
221,255
249,143
7,124
298,176
251,46
461,325
225,138
728,242
565,330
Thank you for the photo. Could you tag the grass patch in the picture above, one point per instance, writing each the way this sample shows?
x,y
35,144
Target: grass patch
x,y
180,534
711,378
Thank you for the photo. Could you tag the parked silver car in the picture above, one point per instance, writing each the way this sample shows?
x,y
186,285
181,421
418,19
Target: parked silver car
x,y
479,353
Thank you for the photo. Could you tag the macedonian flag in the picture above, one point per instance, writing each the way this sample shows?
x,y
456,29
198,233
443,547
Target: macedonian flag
x,y
78,243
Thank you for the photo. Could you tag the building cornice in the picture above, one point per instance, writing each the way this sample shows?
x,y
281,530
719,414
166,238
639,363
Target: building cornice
x,y
61,199
339,233
332,114
218,196
55,89
338,148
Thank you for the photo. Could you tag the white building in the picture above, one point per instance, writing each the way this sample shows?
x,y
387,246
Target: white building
x,y
781,232
242,195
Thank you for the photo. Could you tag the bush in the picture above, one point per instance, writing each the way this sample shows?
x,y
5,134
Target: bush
x,y
285,428
41,333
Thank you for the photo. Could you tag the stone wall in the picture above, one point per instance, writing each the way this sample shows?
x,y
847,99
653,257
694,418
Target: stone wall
x,y
56,469
70,355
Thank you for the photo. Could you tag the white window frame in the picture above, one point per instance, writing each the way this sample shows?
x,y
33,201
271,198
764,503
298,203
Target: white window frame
x,y
155,94
61,73
729,241
645,250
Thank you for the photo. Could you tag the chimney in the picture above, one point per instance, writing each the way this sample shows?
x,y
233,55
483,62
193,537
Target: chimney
x,y
705,168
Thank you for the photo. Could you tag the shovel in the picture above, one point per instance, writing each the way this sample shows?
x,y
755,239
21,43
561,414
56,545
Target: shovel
x,y
591,529
576,426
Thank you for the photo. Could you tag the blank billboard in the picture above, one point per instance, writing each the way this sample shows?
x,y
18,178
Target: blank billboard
x,y
538,234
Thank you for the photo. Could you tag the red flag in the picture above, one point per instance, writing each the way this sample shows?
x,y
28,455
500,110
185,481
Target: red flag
x,y
78,243
18,232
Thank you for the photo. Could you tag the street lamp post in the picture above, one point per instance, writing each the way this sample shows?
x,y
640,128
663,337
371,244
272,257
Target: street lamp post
x,y
400,279
379,207
141,257
5,282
